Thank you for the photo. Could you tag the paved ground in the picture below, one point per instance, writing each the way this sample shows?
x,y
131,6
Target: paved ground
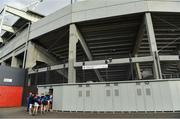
x,y
21,113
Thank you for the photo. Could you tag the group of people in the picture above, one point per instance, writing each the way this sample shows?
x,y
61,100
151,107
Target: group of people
x,y
42,103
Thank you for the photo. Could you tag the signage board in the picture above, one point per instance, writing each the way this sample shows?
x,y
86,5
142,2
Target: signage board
x,y
7,80
103,66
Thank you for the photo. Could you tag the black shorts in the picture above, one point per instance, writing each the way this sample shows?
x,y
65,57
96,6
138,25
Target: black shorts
x,y
44,102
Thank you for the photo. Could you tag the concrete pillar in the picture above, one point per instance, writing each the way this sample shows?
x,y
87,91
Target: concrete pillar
x,y
139,38
37,53
73,39
31,55
138,70
153,46
15,62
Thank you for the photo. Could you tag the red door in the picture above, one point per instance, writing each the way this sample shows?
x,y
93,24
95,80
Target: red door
x,y
10,96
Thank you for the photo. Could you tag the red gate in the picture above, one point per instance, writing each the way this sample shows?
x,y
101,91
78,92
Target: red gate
x,y
10,96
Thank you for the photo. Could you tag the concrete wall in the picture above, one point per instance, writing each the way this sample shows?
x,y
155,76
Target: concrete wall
x,y
152,95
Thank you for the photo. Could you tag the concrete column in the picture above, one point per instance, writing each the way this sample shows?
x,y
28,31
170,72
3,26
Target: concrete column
x,y
138,70
31,55
37,53
153,46
73,39
139,38
15,62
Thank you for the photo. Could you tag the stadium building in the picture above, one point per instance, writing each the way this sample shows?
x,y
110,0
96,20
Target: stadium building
x,y
99,55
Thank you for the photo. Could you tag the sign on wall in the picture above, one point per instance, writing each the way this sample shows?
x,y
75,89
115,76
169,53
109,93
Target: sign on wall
x,y
103,66
8,80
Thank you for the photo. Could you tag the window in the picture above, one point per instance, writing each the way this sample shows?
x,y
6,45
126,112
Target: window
x,y
87,93
148,91
108,93
80,93
116,92
139,93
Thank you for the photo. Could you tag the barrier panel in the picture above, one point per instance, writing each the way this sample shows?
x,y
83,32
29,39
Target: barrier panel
x,y
149,95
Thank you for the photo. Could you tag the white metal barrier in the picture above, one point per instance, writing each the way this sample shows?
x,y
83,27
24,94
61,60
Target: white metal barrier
x,y
151,95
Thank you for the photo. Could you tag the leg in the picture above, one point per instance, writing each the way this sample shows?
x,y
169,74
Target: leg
x,y
30,109
41,108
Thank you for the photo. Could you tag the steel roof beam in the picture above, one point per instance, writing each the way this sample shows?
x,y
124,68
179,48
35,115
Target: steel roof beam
x,y
20,13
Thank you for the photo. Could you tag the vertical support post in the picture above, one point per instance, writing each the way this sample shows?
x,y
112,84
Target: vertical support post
x,y
139,38
153,46
14,62
30,59
26,46
138,70
73,39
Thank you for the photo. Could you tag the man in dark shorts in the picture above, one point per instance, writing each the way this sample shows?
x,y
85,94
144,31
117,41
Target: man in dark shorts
x,y
28,103
31,103
43,103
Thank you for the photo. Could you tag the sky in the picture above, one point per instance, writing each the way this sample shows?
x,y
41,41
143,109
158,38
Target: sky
x,y
45,8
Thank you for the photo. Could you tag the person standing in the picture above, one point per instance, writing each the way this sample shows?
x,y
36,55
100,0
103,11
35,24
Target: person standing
x,y
51,102
43,103
28,101
31,103
36,104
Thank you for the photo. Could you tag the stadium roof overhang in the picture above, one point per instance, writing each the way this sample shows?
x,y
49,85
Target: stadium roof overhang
x,y
117,37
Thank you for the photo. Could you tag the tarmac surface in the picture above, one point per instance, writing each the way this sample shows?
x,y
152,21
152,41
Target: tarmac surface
x,y
21,113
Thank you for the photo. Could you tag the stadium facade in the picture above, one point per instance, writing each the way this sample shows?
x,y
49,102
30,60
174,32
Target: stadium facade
x,y
101,41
